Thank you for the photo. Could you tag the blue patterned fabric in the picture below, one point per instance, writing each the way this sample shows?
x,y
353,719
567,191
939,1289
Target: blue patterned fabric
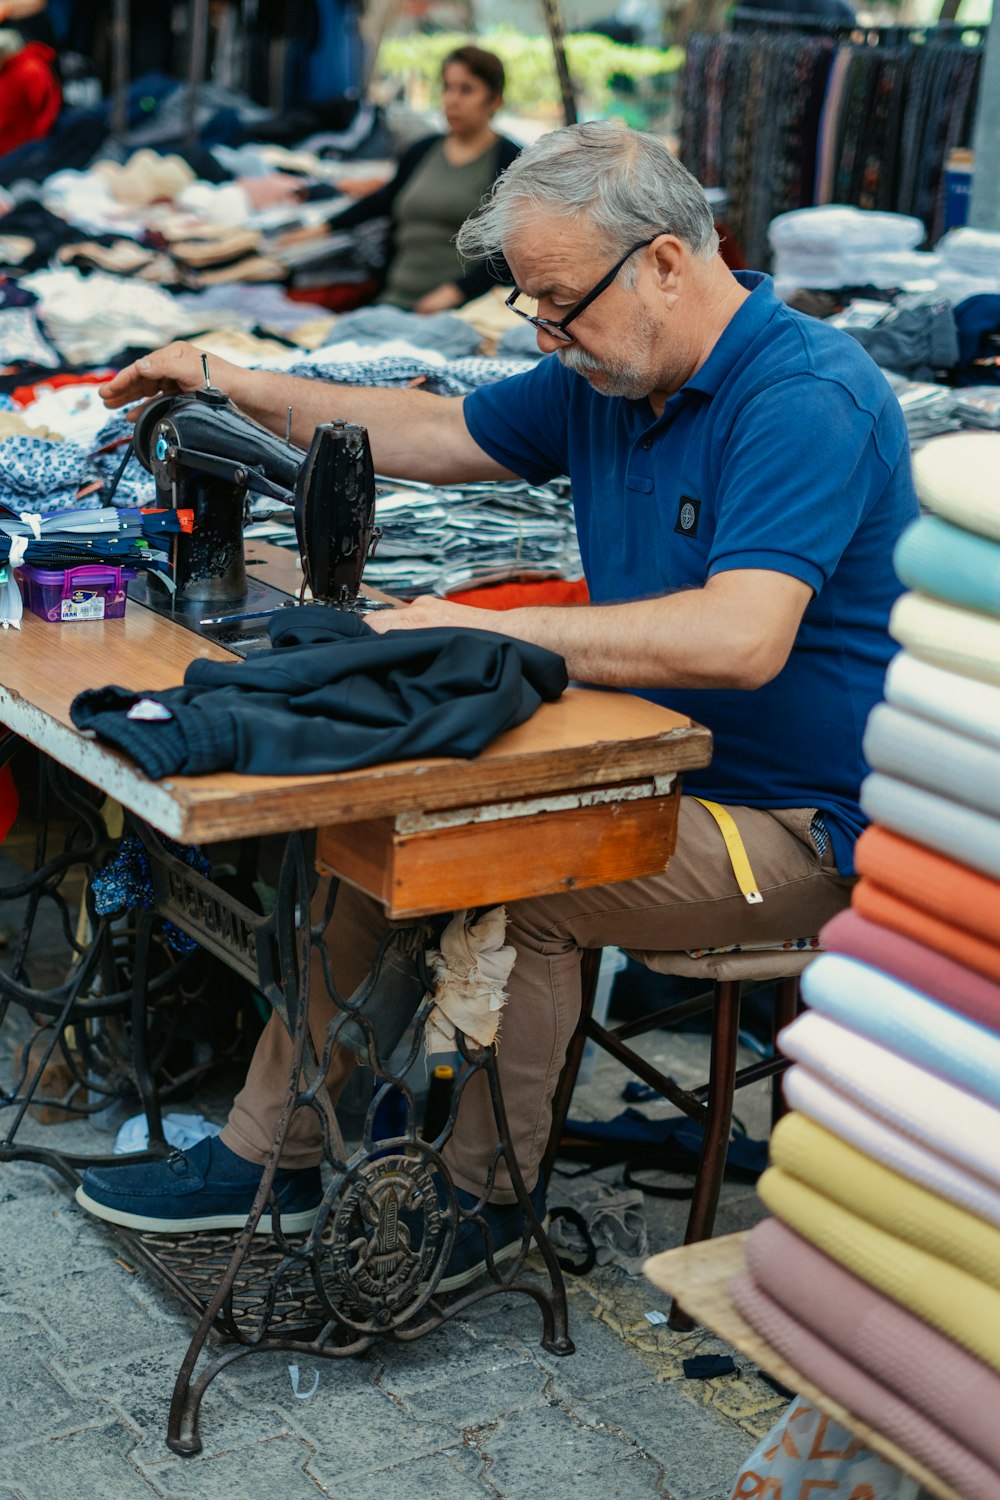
x,y
136,486
125,883
42,476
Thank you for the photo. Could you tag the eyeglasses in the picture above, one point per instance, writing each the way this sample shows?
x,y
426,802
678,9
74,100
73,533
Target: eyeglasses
x,y
558,329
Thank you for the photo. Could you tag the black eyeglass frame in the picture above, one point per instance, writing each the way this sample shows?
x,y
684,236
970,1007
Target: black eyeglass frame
x,y
558,329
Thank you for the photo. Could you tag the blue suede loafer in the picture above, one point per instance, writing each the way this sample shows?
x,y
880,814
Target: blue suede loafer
x,y
207,1187
506,1225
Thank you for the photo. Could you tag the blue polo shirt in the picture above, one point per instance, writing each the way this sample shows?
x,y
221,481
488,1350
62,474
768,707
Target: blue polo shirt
x,y
786,451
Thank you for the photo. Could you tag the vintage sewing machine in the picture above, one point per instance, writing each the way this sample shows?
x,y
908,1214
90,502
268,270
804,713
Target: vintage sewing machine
x,y
206,457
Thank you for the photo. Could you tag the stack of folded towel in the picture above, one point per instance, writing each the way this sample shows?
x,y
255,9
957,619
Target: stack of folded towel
x,y
879,1277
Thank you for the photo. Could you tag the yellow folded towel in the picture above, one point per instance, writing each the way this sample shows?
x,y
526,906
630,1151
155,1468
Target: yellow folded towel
x,y
892,1202
962,1307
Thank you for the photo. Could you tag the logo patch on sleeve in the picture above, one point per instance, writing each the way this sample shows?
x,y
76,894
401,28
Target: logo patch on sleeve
x,y
687,516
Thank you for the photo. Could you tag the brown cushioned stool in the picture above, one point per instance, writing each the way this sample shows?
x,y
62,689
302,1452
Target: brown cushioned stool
x,y
711,1103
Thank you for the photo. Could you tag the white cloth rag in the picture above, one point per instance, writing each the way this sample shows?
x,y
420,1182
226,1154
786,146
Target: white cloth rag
x,y
470,971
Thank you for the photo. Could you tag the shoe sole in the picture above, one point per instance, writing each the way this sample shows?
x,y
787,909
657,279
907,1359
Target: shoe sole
x,y
463,1278
291,1223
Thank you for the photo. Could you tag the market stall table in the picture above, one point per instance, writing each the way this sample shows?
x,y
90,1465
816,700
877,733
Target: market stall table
x,y
595,777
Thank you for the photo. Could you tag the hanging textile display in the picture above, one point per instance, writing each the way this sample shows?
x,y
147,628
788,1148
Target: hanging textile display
x,y
786,120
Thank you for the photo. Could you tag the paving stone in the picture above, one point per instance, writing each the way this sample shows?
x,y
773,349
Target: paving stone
x,y
475,1402
93,1463
699,1451
40,1239
569,1448
638,1478
455,1475
37,1402
140,1391
271,1466
602,1360
451,1353
111,1314
358,1431
22,1325
264,1377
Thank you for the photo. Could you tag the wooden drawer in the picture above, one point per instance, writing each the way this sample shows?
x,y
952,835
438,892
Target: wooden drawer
x,y
420,864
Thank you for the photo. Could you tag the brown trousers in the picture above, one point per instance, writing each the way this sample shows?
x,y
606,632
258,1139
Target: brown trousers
x,y
695,903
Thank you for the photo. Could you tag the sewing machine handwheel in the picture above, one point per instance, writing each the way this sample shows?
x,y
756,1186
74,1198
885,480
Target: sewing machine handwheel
x,y
145,428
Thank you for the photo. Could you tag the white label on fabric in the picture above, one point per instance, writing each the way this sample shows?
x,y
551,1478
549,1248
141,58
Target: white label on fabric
x,y
82,605
148,708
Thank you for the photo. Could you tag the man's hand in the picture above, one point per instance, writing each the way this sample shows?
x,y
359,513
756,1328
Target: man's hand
x,y
736,632
165,372
427,611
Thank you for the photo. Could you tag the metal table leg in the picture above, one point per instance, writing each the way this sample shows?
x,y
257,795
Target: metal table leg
x,y
370,1266
93,1021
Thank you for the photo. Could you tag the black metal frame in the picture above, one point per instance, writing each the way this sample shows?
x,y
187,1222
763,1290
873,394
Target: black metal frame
x,y
370,1266
97,1021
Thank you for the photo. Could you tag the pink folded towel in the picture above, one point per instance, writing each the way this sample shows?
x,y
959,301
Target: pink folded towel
x,y
864,1396
925,1368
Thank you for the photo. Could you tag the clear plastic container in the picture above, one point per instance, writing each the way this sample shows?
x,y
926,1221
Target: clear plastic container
x,y
94,591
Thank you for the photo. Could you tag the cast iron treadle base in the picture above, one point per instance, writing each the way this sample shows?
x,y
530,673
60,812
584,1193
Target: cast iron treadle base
x,y
271,1295
192,1265
390,1213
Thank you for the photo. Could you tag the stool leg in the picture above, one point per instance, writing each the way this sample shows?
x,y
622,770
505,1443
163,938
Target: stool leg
x,y
786,1008
590,965
718,1122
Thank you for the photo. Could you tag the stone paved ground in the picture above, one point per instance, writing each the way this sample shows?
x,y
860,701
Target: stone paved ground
x,y
90,1346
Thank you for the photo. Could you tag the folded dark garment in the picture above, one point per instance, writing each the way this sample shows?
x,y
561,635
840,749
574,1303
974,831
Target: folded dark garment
x,y
333,695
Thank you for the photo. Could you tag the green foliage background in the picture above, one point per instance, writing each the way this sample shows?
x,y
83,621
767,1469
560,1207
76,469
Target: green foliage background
x,y
532,86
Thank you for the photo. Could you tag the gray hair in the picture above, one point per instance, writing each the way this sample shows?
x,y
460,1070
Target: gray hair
x,y
623,182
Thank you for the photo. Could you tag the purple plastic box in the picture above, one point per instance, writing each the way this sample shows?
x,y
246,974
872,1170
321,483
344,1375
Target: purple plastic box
x,y
90,592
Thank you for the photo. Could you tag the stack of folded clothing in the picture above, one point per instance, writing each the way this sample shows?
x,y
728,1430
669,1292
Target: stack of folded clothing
x,y
879,1277
444,540
929,410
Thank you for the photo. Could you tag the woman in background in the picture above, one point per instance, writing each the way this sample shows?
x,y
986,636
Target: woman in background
x,y
438,183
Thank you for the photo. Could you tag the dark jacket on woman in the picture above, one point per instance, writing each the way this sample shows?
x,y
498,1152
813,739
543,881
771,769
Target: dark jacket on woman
x,y
482,274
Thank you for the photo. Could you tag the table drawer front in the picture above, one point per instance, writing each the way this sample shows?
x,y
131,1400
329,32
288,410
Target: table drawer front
x,y
483,863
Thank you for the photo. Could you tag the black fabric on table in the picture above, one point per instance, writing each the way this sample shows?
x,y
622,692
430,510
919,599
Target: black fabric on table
x,y
48,231
333,695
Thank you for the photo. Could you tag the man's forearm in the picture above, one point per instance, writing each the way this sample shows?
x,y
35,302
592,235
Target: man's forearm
x,y
735,632
413,434
402,445
673,642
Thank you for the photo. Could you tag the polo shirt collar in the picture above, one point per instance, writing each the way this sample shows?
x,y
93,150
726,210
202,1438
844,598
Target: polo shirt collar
x,y
750,318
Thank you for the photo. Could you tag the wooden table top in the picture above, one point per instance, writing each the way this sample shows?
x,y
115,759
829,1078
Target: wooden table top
x,y
587,739
699,1276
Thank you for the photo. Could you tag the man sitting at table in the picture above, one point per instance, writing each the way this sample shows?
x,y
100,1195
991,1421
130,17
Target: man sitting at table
x,y
740,474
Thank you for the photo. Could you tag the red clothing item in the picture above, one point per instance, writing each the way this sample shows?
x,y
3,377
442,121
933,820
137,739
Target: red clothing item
x,y
30,96
25,394
8,802
514,595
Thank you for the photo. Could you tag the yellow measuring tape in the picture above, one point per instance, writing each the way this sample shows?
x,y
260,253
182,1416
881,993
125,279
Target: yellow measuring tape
x,y
735,849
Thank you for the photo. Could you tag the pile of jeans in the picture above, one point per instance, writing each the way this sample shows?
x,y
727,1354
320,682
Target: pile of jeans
x,y
441,540
929,409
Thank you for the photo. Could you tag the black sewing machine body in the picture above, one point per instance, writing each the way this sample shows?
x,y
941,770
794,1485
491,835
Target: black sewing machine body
x,y
206,457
